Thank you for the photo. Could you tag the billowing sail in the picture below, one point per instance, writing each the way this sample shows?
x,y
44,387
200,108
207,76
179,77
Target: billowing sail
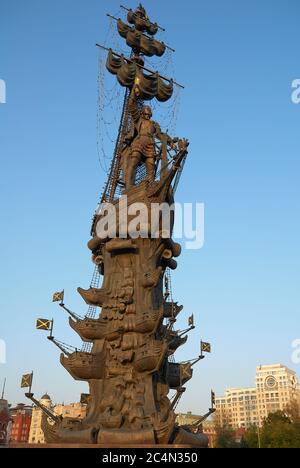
x,y
129,73
141,23
139,42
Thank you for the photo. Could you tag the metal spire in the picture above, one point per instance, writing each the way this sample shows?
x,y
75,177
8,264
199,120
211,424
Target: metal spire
x,y
3,389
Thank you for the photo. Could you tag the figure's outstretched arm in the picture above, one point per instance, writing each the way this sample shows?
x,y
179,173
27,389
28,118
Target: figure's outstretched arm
x,y
164,136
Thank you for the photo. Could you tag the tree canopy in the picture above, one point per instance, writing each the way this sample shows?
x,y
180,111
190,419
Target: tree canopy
x,y
279,430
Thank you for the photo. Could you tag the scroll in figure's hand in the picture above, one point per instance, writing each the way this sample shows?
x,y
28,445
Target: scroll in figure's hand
x,y
136,92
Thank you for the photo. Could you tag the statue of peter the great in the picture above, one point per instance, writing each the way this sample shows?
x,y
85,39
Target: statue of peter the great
x,y
140,141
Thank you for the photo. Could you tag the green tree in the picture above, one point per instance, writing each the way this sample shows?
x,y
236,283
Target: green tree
x,y
225,438
293,412
278,431
251,437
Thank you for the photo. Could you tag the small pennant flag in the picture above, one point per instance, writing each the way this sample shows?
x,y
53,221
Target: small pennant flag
x,y
58,297
186,372
191,321
205,347
43,324
213,399
84,398
26,380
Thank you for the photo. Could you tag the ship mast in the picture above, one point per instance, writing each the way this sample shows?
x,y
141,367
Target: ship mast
x,y
114,173
3,389
140,38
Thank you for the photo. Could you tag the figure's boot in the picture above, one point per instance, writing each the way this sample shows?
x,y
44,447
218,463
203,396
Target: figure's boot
x,y
131,170
150,168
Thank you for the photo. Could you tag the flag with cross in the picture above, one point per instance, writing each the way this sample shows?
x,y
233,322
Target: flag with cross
x,y
191,320
26,381
44,324
58,297
213,399
205,347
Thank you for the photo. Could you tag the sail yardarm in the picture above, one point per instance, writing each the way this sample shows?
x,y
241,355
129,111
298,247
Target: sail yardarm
x,y
151,84
113,63
147,85
123,28
151,47
133,39
164,90
138,41
142,24
127,74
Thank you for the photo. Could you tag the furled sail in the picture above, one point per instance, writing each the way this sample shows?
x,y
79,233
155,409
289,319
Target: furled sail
x,y
139,42
141,23
128,73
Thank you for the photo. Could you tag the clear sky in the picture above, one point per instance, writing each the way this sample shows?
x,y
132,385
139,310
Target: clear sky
x,y
237,60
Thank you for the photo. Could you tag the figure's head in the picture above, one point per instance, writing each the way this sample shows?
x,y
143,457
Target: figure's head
x,y
147,112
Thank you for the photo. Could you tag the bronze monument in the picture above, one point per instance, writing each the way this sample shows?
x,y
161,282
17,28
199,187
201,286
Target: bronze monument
x,y
128,358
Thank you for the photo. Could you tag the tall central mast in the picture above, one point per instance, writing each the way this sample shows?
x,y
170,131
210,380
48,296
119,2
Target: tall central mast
x,y
115,168
140,38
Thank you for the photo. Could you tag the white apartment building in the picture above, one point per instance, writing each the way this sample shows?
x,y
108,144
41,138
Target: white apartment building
x,y
276,389
238,408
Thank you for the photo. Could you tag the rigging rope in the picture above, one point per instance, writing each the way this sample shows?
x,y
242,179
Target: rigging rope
x,y
92,310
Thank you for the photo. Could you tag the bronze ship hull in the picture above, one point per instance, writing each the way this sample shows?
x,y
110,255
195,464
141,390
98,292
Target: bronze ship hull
x,y
84,366
91,329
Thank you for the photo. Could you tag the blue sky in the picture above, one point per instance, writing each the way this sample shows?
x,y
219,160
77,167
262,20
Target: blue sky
x,y
237,61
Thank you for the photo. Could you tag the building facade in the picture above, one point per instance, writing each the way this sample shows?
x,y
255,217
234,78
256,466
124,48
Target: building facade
x,y
73,410
36,435
276,389
21,422
187,419
238,408
208,428
5,421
